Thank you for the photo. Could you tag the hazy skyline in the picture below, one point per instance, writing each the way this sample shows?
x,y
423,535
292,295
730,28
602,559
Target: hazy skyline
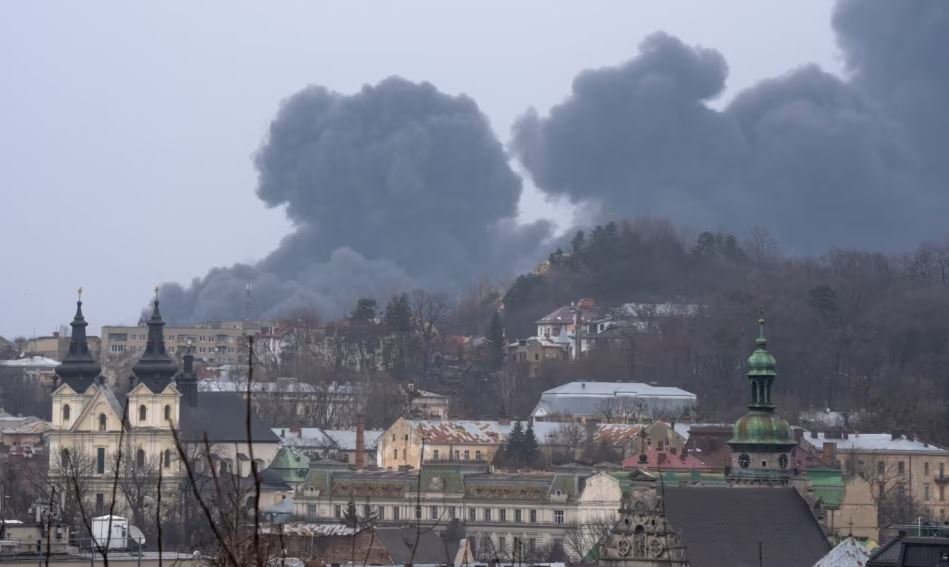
x,y
126,152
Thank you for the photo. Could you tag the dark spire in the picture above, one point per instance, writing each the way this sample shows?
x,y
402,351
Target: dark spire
x,y
155,368
78,369
188,380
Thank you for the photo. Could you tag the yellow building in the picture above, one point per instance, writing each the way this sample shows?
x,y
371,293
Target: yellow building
x,y
92,424
409,443
894,462
857,514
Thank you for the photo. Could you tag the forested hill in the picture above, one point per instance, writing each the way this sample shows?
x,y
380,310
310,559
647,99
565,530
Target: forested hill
x,y
851,330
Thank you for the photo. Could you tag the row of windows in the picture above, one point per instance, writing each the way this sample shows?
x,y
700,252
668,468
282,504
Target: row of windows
x,y
942,492
140,459
901,468
394,513
104,420
123,337
459,455
519,546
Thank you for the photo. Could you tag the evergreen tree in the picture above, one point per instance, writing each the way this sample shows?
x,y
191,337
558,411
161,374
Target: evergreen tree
x,y
398,318
365,310
495,340
576,244
398,314
529,446
350,517
515,445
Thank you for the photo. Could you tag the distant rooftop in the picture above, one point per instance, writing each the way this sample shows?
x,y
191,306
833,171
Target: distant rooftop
x,y
315,437
490,432
31,362
589,398
21,425
873,442
596,388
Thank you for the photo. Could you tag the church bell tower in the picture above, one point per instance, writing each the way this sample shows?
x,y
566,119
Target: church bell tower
x,y
761,442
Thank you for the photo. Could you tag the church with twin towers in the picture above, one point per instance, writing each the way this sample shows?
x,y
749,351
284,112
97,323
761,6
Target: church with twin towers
x,y
139,430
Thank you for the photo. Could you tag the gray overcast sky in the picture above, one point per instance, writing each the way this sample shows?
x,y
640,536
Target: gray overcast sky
x,y
126,131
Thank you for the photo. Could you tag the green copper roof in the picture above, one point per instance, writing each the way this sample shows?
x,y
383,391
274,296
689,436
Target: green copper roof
x,y
827,484
761,363
291,464
762,428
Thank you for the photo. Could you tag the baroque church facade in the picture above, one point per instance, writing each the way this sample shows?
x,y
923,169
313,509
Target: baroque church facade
x,y
160,410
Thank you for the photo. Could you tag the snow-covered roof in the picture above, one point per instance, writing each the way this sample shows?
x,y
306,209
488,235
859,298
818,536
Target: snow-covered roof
x,y
345,439
30,362
280,386
565,315
588,398
848,553
659,309
313,530
427,394
490,432
595,388
11,425
314,437
882,442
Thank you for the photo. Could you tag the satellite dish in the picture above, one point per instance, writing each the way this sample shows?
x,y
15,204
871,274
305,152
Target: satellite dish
x,y
136,535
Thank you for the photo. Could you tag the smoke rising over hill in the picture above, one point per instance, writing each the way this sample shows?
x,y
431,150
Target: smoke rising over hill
x,y
818,160
400,185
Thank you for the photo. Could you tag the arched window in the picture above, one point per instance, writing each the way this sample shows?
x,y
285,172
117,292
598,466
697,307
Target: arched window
x,y
66,411
64,457
167,413
140,458
142,412
103,421
167,458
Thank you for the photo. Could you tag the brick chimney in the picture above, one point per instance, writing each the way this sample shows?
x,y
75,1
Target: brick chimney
x,y
360,442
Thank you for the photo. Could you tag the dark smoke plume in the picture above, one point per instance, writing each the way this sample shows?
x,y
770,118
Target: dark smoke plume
x,y
897,53
818,160
400,185
396,186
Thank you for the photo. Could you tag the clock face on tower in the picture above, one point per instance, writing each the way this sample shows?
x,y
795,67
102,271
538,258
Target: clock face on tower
x,y
783,461
744,461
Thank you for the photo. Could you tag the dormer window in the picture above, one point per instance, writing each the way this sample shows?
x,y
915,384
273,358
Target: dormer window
x,y
66,412
103,422
167,413
142,412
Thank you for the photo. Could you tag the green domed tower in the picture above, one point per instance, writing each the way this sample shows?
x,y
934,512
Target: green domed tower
x,y
762,441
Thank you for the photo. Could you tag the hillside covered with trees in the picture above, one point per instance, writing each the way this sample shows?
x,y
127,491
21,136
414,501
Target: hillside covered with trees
x,y
856,331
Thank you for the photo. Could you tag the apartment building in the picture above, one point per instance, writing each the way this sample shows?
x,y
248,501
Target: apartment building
x,y
215,343
506,515
892,460
56,346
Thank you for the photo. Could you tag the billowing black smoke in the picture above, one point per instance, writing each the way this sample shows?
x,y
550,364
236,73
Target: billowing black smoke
x,y
818,160
897,52
400,185
396,186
